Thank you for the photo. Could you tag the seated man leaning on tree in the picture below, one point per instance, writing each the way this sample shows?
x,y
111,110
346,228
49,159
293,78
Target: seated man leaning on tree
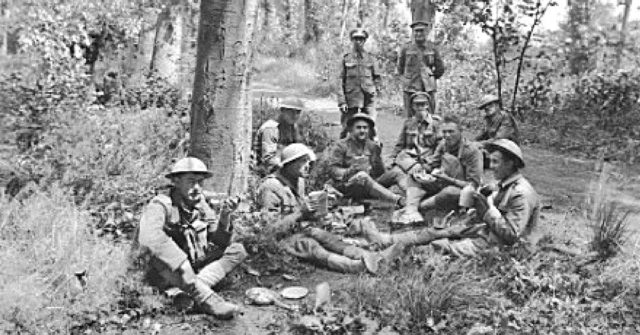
x,y
189,243
418,140
355,163
273,135
437,183
507,214
280,200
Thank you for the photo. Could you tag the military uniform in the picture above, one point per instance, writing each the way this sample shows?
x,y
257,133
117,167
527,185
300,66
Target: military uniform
x,y
416,142
354,168
499,125
412,66
515,215
359,82
279,199
270,138
172,235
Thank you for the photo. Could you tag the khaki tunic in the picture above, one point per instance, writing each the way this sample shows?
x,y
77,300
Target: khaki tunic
x,y
499,125
359,80
348,153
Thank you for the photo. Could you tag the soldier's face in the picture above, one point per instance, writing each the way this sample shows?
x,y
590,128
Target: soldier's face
x,y
502,166
420,33
291,116
420,109
189,186
491,109
360,130
451,133
358,42
299,168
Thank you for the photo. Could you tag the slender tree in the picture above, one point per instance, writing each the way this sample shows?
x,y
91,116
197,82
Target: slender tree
x,y
168,42
221,106
623,32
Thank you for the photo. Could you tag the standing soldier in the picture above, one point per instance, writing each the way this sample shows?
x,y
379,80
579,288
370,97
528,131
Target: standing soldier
x,y
359,81
420,66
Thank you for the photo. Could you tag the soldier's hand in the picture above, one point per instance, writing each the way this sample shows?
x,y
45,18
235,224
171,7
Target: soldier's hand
x,y
229,205
343,108
482,203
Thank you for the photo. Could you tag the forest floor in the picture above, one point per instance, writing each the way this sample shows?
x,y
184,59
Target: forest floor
x,y
563,182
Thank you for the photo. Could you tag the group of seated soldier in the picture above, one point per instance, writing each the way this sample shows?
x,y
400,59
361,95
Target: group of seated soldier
x,y
433,166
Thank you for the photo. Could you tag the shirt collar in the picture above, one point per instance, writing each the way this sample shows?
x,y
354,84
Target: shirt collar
x,y
509,180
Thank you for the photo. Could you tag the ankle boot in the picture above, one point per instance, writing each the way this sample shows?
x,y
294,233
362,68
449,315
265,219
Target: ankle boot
x,y
344,264
373,260
418,237
410,213
373,235
215,305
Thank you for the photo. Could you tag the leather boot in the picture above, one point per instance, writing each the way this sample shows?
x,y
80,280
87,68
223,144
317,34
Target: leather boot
x,y
215,305
328,240
373,260
373,235
410,213
344,264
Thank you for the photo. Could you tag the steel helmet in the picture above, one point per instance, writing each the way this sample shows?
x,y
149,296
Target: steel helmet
x,y
294,151
488,99
359,32
361,116
509,147
189,165
292,103
420,23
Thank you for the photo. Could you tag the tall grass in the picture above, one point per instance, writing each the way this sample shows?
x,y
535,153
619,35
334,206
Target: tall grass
x,y
53,266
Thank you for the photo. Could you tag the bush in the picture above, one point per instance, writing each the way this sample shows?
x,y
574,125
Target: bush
x,y
54,267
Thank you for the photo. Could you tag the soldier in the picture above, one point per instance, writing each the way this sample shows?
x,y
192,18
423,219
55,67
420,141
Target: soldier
x,y
273,135
456,163
505,216
420,66
189,243
498,123
280,199
355,163
359,82
417,141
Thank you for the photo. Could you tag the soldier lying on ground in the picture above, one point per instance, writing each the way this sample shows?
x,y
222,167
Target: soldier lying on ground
x,y
417,141
189,243
280,201
503,217
273,135
436,184
355,164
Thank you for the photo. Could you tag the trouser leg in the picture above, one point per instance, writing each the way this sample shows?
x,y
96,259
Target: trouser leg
x,y
467,247
344,118
447,199
213,272
309,249
406,98
394,176
364,186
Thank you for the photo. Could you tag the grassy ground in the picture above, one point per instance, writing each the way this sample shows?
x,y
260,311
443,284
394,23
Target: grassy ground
x,y
499,293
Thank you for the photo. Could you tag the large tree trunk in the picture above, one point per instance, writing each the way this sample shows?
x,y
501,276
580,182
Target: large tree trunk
x,y
312,30
343,19
221,107
168,41
422,10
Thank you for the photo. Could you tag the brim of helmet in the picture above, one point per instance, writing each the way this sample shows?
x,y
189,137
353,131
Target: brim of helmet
x,y
491,147
487,103
207,174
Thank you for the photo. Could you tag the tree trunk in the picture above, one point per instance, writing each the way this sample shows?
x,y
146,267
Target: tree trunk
x,y
343,19
4,49
168,41
623,32
311,27
221,107
422,10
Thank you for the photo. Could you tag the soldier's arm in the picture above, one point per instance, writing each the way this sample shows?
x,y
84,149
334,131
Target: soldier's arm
x,y
473,162
507,129
377,166
376,74
434,161
439,67
341,83
153,237
270,138
510,223
400,143
336,162
271,209
221,236
401,60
